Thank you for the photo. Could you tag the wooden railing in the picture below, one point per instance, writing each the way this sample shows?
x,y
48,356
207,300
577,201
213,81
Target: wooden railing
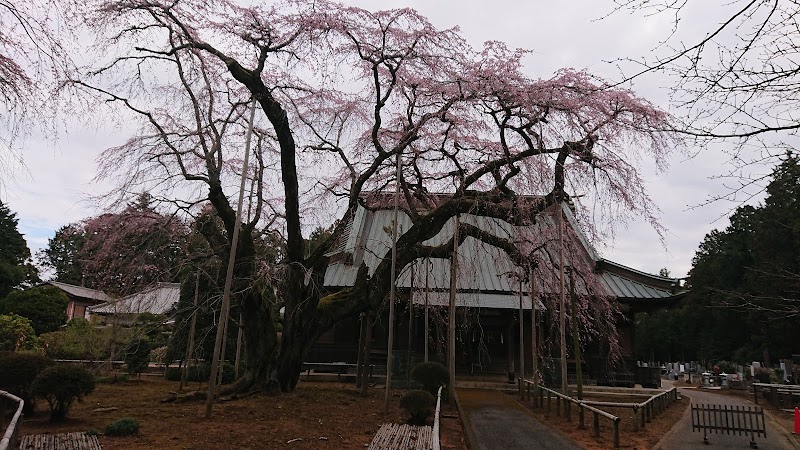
x,y
582,406
10,440
436,434
645,411
779,395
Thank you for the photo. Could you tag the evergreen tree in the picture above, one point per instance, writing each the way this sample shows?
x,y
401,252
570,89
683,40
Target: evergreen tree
x,y
744,302
15,267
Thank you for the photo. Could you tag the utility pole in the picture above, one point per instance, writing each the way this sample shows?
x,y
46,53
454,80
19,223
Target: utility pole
x,y
226,295
393,288
451,319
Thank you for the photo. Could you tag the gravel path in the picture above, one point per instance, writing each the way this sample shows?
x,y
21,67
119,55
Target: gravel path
x,y
682,437
495,421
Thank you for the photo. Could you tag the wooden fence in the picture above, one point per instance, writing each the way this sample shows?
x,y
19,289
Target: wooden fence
x,y
724,419
10,403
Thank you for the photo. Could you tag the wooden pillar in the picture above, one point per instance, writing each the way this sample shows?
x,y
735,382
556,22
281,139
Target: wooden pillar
x,y
576,340
192,326
427,323
410,328
521,337
360,358
534,352
365,379
562,303
451,316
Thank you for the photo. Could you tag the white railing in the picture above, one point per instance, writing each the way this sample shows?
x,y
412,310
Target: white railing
x,y
435,435
10,437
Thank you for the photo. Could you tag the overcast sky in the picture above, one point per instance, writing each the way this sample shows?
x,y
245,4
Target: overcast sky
x,y
52,190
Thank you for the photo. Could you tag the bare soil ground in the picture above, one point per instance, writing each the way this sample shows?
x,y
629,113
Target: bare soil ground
x,y
641,440
318,415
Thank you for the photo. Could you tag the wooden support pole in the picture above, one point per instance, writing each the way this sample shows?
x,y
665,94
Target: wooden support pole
x,y
393,288
226,295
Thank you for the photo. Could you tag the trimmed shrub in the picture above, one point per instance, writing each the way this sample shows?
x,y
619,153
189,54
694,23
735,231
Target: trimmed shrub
x,y
430,375
61,386
762,375
17,372
137,355
419,405
126,426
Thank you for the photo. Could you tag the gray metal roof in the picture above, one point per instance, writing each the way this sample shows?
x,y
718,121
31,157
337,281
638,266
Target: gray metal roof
x,y
80,291
486,275
159,299
624,288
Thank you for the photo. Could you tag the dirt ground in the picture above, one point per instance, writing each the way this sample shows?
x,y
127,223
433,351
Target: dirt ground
x,y
641,440
318,415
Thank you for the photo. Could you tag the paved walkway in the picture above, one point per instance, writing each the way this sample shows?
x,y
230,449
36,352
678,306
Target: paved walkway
x,y
682,437
495,421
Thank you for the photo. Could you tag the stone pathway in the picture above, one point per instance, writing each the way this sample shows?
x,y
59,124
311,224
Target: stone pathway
x,y
682,437
493,420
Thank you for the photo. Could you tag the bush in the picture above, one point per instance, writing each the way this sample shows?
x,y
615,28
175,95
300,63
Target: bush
x,y
17,372
430,375
45,306
137,355
61,386
126,426
762,375
16,333
80,340
419,405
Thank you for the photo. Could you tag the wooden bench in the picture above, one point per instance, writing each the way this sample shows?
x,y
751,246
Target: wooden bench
x,y
339,368
62,441
724,419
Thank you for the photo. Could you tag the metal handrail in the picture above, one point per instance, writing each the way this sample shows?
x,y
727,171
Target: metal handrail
x,y
10,436
435,438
